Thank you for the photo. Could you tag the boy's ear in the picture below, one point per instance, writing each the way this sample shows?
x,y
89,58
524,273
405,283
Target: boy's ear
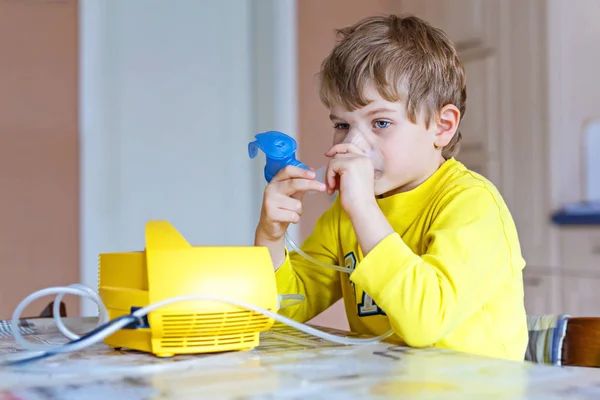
x,y
447,124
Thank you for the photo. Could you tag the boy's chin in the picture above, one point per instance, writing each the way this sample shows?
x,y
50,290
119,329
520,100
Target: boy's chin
x,y
382,187
385,188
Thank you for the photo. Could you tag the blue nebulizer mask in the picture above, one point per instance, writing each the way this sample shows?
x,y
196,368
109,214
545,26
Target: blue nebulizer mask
x,y
280,151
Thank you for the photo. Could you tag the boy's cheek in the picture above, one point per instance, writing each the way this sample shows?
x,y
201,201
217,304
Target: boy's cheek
x,y
338,138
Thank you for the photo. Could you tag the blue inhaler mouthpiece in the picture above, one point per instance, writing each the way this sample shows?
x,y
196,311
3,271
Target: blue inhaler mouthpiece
x,y
280,150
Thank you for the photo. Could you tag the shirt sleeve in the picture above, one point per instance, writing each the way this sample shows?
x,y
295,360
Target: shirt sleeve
x,y
319,285
467,260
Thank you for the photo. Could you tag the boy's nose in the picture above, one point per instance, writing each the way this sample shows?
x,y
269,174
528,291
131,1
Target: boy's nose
x,y
357,138
360,140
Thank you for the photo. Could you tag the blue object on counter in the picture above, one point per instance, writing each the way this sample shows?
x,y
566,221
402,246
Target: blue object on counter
x,y
586,213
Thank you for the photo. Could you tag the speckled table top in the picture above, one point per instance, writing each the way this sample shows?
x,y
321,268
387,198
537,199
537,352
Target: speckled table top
x,y
287,364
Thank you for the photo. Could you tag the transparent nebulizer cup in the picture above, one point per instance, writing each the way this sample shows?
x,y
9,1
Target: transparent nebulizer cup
x,y
362,145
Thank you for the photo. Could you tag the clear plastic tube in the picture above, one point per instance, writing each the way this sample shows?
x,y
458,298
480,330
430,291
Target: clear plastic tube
x,y
313,260
76,289
140,313
103,312
87,292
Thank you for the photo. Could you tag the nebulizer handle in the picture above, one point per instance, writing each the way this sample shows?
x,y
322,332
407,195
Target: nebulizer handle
x,y
280,151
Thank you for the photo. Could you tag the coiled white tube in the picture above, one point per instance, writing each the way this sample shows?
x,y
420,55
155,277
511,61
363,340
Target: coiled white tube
x,y
84,291
76,289
103,317
87,292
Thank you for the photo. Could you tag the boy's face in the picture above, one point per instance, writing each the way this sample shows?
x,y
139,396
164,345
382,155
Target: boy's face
x,y
409,150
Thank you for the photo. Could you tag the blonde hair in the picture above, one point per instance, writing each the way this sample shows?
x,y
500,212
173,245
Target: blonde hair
x,y
406,59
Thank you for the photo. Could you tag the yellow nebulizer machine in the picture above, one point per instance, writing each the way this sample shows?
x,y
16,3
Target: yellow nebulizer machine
x,y
174,298
171,267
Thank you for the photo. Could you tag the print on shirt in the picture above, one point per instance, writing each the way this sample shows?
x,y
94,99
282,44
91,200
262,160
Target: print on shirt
x,y
350,263
367,305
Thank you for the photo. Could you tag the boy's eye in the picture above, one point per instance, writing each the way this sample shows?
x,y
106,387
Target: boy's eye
x,y
343,127
382,124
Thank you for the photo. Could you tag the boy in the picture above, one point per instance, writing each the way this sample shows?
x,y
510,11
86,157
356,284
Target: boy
x,y
431,246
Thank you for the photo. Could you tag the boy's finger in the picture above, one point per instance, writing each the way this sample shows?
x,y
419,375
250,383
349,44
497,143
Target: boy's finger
x,y
330,177
291,204
291,171
343,148
285,216
298,195
293,186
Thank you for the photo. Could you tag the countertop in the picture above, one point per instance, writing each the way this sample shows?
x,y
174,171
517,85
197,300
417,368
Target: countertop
x,y
288,364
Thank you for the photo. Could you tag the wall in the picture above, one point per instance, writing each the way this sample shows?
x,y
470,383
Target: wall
x,y
38,150
317,21
168,108
574,87
167,116
275,92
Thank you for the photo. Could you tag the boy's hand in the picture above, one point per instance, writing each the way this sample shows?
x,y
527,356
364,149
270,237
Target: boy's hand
x,y
282,203
357,194
353,174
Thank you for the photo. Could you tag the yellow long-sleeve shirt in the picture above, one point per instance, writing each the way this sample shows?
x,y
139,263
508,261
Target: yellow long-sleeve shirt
x,y
450,276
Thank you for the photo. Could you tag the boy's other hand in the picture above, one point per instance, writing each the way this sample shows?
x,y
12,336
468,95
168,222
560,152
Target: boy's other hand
x,y
352,174
282,202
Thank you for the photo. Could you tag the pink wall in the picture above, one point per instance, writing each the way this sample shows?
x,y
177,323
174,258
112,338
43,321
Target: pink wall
x,y
317,20
38,151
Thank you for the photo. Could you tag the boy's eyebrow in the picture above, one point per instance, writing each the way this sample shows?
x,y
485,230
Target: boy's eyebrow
x,y
379,110
369,114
